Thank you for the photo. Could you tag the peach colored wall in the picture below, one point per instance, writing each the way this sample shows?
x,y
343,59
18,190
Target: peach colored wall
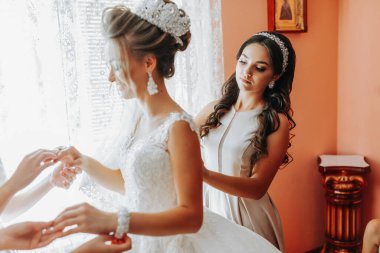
x,y
359,91
297,190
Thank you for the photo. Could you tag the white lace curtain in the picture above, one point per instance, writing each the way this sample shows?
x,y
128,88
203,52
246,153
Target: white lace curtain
x,y
53,81
53,87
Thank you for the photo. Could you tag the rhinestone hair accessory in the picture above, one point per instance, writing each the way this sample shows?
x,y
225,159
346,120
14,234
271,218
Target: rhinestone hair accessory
x,y
281,44
165,16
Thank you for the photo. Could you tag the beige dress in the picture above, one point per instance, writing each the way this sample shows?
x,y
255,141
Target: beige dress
x,y
226,150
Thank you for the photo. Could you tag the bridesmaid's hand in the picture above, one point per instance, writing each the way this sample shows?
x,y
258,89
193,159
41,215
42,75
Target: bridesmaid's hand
x,y
31,166
102,244
84,218
26,235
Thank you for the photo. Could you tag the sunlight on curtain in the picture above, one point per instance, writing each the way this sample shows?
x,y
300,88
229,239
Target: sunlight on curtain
x,y
53,81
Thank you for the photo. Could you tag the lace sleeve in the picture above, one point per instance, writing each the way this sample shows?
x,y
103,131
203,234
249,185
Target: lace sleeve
x,y
174,117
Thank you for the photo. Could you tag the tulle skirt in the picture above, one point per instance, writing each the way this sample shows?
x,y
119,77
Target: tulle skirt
x,y
217,234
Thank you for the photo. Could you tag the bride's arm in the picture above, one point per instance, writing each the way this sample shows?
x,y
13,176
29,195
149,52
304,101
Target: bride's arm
x,y
186,217
109,178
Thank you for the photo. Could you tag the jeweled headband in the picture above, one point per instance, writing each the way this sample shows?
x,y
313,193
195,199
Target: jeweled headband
x,y
281,44
164,15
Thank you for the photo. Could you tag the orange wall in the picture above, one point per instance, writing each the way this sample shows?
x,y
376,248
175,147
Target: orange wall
x,y
359,91
297,190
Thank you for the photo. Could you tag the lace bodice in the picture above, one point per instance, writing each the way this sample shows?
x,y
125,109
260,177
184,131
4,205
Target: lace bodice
x,y
146,169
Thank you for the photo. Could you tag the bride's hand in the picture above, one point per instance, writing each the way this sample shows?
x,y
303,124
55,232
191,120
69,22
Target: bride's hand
x,y
102,244
69,155
63,176
31,166
84,218
72,157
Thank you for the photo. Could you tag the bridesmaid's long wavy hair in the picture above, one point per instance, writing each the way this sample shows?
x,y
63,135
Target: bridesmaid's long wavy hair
x,y
277,100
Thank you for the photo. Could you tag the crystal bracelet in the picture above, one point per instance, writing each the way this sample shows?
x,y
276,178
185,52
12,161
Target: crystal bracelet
x,y
123,219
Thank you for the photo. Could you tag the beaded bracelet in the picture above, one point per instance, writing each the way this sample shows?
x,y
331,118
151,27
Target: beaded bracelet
x,y
123,219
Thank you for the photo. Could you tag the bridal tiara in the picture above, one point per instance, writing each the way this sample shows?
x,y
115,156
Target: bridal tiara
x,y
281,44
166,16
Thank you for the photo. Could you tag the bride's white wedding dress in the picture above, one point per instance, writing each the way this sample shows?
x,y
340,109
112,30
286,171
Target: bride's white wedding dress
x,y
149,186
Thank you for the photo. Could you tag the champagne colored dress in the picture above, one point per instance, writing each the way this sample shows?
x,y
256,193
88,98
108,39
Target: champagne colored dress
x,y
227,150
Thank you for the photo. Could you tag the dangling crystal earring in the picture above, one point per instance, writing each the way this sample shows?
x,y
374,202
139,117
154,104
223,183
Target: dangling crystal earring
x,y
271,84
151,86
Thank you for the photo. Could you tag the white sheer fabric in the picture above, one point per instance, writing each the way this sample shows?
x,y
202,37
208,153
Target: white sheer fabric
x,y
53,87
53,81
199,69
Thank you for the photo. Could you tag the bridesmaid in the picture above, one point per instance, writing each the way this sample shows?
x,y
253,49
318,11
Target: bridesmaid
x,y
246,135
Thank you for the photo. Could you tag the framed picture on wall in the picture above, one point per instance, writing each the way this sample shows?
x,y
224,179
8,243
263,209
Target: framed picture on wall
x,y
287,15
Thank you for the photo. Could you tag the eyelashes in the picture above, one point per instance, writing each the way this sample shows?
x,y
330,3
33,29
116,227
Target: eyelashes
x,y
257,68
260,69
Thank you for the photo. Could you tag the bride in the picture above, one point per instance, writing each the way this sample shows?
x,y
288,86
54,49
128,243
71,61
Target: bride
x,y
160,171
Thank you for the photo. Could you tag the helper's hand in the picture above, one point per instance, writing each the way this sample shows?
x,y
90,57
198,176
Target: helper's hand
x,y
31,166
27,235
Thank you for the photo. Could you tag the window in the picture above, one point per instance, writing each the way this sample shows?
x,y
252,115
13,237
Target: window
x,y
53,81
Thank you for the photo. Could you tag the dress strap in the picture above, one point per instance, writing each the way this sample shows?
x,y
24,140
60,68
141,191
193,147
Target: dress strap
x,y
181,116
174,117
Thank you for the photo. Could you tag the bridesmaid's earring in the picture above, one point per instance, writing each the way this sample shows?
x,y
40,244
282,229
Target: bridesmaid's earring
x,y
271,85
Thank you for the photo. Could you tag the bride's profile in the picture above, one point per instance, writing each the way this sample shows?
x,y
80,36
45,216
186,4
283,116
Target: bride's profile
x,y
160,165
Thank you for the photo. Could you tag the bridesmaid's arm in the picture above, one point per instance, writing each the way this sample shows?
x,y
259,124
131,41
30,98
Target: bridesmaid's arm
x,y
28,169
59,177
257,185
21,203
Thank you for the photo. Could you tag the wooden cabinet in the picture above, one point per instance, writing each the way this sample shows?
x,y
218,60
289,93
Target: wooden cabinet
x,y
344,178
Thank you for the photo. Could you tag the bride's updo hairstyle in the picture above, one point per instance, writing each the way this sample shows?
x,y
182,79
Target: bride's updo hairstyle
x,y
135,36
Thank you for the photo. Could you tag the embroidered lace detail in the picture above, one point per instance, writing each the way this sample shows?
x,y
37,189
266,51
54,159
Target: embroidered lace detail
x,y
146,168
